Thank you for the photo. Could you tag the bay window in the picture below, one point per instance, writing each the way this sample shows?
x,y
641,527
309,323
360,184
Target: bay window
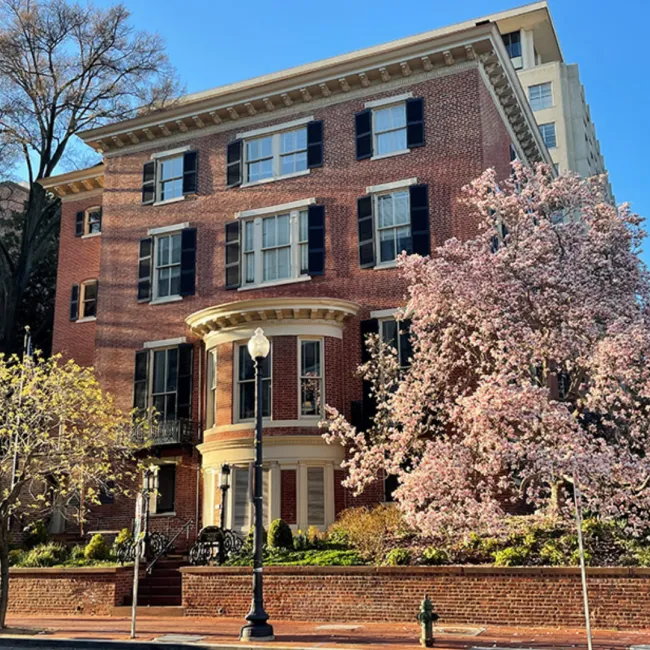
x,y
245,389
311,377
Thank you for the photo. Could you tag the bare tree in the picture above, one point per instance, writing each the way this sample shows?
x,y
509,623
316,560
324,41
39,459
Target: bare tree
x,y
64,68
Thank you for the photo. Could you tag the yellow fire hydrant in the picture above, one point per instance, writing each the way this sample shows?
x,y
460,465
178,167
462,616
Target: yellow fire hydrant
x,y
427,617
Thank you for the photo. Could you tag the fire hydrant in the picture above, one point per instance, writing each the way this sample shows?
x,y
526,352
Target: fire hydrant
x,y
427,617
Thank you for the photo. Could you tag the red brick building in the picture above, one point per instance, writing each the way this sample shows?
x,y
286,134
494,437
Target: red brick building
x,y
280,202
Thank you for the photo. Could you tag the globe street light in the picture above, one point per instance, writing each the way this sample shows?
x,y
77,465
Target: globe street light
x,y
257,628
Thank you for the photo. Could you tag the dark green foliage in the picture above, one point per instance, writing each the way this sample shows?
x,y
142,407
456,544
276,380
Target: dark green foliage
x,y
37,534
44,555
280,535
398,557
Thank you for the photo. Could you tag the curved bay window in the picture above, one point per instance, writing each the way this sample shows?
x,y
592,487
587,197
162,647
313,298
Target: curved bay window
x,y
245,394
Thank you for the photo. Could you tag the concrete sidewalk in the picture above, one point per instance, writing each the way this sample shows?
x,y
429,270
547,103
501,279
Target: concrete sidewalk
x,y
223,633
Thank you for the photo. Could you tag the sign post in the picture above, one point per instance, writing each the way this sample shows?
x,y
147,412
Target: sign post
x,y
137,534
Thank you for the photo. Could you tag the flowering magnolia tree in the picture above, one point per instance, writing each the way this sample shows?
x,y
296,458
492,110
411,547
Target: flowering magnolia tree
x,y
62,441
530,368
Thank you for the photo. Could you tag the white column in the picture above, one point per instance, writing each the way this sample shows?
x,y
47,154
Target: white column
x,y
275,490
527,49
328,485
301,495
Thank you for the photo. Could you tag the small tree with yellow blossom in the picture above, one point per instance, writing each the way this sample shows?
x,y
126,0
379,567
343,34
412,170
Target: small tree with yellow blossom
x,y
62,439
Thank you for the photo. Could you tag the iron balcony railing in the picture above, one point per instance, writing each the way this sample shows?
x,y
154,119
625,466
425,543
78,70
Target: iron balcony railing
x,y
167,432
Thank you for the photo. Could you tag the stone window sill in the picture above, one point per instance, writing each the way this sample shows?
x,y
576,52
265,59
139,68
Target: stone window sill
x,y
87,319
304,172
264,285
391,154
90,235
164,301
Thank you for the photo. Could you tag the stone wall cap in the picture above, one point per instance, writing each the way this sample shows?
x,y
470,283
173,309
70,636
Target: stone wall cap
x,y
54,571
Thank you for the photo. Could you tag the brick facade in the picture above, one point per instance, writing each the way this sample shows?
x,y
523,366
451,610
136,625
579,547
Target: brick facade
x,y
464,134
532,596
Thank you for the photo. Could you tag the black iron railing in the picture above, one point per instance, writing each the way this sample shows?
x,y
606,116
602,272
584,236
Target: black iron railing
x,y
167,432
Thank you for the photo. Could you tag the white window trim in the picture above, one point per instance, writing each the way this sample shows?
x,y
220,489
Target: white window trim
x,y
391,154
285,126
541,83
165,300
164,343
82,294
387,101
389,187
153,499
176,199
303,495
158,158
165,230
321,341
235,379
274,209
90,235
170,153
294,245
383,314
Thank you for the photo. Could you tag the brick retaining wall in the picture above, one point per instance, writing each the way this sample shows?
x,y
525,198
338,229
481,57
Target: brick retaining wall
x,y
533,596
84,590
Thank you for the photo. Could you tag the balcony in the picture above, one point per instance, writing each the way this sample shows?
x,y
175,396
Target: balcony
x,y
167,432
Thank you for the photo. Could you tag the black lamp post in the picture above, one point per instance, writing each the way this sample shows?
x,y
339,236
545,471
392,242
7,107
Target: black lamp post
x,y
257,628
224,486
150,486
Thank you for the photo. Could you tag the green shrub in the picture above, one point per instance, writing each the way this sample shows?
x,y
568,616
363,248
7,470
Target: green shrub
x,y
77,553
511,556
97,548
37,534
435,556
280,535
371,532
16,556
300,541
398,557
45,555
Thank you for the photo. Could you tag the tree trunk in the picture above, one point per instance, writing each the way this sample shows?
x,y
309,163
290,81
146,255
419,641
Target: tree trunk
x,y
4,571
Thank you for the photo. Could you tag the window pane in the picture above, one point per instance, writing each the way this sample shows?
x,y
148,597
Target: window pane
x,y
315,496
310,358
175,281
266,398
401,207
163,282
159,357
176,249
247,400
248,235
284,263
270,263
382,119
166,488
260,170
90,291
389,332
246,366
159,405
387,245
241,503
304,226
405,347
385,210
250,268
172,369
404,239
398,116
268,232
163,250
283,230
170,406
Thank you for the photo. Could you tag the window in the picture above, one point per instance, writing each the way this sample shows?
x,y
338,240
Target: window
x,y
275,247
512,41
88,222
211,399
311,377
540,96
171,178
242,507
276,155
389,128
315,496
88,300
164,385
393,225
167,276
397,335
165,500
246,384
548,134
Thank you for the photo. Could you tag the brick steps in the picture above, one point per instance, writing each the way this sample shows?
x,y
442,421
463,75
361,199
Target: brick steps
x,y
163,588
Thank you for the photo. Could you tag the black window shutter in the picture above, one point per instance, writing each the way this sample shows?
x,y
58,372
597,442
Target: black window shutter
x,y
405,344
316,239
363,134
190,172
79,224
184,385
366,226
233,255
188,261
145,264
74,302
234,164
315,144
421,238
369,408
149,182
140,383
414,122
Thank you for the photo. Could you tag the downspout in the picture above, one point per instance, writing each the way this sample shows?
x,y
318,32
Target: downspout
x,y
200,436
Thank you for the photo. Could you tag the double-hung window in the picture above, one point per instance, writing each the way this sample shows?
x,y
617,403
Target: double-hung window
x,y
211,397
83,301
275,247
245,373
315,496
276,155
389,129
165,383
167,276
397,334
512,41
88,222
164,501
170,176
393,224
311,377
540,96
548,134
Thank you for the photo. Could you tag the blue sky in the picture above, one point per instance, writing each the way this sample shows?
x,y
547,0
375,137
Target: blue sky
x,y
218,42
